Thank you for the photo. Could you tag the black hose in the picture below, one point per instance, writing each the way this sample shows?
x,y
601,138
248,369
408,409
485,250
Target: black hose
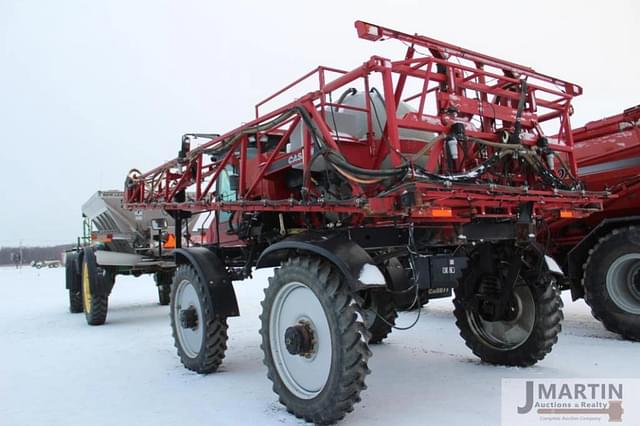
x,y
468,176
349,92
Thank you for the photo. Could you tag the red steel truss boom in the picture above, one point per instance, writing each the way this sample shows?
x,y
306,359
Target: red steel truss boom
x,y
448,135
444,50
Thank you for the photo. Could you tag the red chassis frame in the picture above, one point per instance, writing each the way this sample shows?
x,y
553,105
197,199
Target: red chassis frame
x,y
479,93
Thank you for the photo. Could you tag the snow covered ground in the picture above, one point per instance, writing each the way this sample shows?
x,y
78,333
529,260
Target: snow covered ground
x,y
57,370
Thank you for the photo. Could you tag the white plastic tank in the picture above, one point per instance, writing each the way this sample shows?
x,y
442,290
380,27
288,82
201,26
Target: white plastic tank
x,y
352,124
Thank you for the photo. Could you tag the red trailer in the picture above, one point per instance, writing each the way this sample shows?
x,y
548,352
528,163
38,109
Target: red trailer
x,y
601,253
384,183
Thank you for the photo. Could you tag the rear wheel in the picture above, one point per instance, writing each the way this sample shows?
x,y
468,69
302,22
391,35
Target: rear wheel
x,y
528,329
73,283
95,303
379,315
164,295
314,347
163,281
611,282
199,336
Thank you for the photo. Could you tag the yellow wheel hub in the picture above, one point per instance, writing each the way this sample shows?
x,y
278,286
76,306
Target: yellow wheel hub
x,y
86,288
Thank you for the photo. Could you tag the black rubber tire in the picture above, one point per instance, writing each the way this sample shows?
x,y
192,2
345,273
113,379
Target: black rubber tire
x,y
95,306
75,301
163,281
609,248
164,295
379,307
73,283
350,351
214,341
546,326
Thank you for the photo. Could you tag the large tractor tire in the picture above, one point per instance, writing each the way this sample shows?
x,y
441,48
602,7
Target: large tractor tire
x,y
95,303
379,315
611,281
199,335
163,281
530,329
315,348
73,283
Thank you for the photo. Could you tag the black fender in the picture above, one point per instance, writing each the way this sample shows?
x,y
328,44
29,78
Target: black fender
x,y
211,270
350,258
578,255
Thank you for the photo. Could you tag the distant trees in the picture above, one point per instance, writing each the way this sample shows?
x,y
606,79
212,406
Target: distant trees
x,y
29,254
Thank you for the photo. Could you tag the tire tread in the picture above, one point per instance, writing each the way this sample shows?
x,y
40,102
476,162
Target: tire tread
x,y
354,368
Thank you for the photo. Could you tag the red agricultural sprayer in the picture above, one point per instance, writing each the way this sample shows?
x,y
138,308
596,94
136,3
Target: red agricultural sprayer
x,y
601,252
382,187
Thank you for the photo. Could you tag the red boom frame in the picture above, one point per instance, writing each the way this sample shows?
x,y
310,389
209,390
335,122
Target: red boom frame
x,y
447,86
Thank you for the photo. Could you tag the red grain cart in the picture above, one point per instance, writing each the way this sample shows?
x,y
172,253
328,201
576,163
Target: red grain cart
x,y
381,186
601,253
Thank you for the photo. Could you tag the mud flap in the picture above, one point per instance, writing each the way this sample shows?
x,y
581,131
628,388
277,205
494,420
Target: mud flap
x,y
212,271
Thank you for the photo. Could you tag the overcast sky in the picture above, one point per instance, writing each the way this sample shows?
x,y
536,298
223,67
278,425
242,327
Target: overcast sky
x,y
91,89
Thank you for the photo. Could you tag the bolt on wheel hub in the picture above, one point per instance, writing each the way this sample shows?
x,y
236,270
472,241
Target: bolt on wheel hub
x,y
189,317
299,339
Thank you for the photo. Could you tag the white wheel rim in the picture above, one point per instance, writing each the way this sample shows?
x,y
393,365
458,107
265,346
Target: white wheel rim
x,y
622,283
511,334
304,376
190,339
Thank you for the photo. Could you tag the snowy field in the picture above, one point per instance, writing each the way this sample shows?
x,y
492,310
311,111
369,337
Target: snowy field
x,y
57,370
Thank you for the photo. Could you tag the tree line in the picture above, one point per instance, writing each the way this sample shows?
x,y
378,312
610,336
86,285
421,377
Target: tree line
x,y
30,254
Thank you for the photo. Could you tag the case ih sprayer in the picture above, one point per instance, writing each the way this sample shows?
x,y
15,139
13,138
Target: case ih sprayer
x,y
387,183
601,253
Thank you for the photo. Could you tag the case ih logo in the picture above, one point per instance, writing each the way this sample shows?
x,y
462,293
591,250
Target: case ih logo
x,y
295,158
569,401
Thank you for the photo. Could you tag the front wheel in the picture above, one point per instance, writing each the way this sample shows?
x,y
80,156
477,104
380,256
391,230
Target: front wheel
x,y
199,335
611,281
314,346
379,315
